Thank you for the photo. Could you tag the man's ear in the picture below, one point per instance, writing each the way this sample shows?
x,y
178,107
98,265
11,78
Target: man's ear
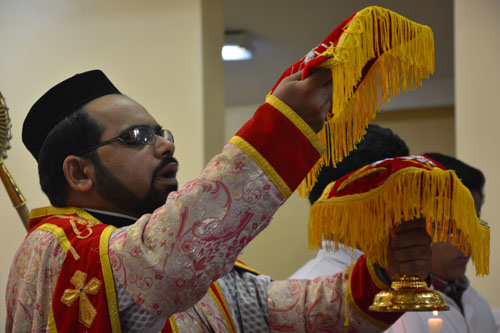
x,y
78,172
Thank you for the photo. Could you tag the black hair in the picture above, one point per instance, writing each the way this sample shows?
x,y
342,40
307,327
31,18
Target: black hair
x,y
471,177
378,143
74,133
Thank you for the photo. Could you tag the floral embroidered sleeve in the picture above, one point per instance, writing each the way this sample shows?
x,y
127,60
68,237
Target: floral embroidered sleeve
x,y
27,304
167,260
336,303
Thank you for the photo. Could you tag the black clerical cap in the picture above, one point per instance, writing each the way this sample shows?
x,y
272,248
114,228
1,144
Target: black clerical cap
x,y
61,100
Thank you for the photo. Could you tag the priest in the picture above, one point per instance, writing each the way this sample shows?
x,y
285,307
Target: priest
x,y
122,249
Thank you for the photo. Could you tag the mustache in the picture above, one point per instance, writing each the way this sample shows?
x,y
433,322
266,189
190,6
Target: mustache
x,y
163,163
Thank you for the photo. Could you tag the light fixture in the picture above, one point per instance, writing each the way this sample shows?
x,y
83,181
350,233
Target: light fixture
x,y
237,46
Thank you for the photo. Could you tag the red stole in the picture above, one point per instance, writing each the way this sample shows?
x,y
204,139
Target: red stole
x,y
84,299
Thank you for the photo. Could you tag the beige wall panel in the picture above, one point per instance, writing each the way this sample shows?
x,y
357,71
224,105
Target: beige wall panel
x,y
426,130
477,87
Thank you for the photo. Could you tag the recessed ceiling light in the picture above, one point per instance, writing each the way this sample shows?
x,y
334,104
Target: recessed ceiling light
x,y
235,53
237,46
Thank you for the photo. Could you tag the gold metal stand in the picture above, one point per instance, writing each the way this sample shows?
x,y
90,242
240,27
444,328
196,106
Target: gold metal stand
x,y
408,293
15,195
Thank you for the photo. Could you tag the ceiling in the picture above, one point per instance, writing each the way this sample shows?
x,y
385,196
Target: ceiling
x,y
283,31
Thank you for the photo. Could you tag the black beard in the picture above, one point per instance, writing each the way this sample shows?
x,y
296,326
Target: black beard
x,y
114,191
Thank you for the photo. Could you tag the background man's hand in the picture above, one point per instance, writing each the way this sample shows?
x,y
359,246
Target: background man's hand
x,y
409,250
311,98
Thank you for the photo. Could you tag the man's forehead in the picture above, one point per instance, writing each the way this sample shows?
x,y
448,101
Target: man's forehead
x,y
119,111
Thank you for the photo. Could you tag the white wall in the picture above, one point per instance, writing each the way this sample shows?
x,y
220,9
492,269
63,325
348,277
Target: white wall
x,y
477,87
152,50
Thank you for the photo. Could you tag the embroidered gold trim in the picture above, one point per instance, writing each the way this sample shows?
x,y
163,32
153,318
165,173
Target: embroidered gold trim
x,y
298,122
354,305
222,307
77,231
263,164
244,266
61,236
173,324
52,322
86,311
363,195
109,283
51,210
358,175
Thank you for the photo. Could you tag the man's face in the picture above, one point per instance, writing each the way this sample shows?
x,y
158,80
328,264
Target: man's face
x,y
448,262
131,179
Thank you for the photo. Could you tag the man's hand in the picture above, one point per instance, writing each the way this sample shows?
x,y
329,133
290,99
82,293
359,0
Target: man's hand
x,y
311,98
409,250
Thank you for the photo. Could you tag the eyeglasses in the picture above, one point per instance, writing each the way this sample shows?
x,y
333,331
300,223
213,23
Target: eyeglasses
x,y
141,135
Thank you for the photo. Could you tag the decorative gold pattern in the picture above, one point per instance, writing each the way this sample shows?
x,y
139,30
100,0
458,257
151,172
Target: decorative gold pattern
x,y
62,212
14,192
5,128
15,195
87,311
109,283
408,293
301,125
359,175
63,240
78,232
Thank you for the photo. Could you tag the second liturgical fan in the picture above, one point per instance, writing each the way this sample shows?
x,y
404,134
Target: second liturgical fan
x,y
362,208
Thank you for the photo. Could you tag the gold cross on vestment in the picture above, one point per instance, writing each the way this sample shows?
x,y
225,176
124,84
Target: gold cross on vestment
x,y
86,311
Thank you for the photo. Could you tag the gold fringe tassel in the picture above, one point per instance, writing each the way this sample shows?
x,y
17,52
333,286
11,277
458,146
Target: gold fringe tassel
x,y
364,220
404,52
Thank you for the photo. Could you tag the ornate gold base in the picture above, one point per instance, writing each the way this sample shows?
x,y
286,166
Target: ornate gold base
x,y
408,293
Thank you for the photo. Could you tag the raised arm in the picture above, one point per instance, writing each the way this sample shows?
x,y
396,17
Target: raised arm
x,y
166,261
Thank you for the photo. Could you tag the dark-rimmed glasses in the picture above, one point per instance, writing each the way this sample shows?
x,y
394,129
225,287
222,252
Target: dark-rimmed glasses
x,y
140,135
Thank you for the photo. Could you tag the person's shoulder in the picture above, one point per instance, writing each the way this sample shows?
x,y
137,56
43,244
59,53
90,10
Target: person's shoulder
x,y
478,305
40,236
471,293
38,246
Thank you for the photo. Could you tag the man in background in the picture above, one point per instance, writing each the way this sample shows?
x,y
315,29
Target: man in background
x,y
469,310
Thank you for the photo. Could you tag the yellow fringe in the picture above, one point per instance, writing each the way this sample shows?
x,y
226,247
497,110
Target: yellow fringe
x,y
405,56
364,220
